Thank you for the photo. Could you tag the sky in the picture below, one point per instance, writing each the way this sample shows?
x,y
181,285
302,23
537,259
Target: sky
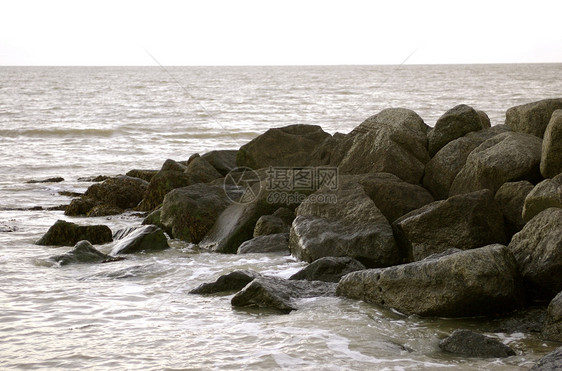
x,y
305,32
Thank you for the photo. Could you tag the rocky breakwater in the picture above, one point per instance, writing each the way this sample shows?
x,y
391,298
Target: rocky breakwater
x,y
462,219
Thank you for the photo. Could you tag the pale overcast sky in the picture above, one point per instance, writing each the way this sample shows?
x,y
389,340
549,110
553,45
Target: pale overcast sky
x,y
248,32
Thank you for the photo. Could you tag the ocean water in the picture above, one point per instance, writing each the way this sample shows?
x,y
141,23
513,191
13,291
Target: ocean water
x,y
136,314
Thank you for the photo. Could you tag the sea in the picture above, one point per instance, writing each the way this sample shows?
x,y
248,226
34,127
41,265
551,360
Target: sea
x,y
136,314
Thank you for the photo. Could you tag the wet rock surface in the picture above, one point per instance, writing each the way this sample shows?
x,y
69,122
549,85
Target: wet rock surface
x,y
64,233
471,344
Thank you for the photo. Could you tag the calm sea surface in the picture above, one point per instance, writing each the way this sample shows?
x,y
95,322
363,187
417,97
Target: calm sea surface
x,y
136,314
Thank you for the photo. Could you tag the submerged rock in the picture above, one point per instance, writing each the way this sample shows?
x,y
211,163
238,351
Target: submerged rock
x,y
64,233
471,344
464,222
466,283
142,239
352,226
392,141
287,146
504,158
454,123
233,281
266,244
280,294
551,160
83,252
552,329
190,212
532,118
547,193
57,179
328,269
538,251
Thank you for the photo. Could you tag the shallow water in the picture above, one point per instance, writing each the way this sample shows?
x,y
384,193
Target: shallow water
x,y
136,313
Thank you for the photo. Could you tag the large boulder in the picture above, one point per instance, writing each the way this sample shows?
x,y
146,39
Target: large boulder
x,y
504,158
392,141
552,329
472,344
270,224
233,281
143,174
455,123
266,244
190,212
328,269
351,226
538,251
532,118
547,193
550,362
441,170
117,194
201,171
453,284
287,146
237,222
160,184
280,294
222,160
142,239
510,198
464,222
393,196
64,233
83,252
551,161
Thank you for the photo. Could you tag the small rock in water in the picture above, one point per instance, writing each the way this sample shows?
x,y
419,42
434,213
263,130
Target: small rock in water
x,y
550,362
94,179
232,281
328,269
144,238
471,344
57,179
83,252
64,233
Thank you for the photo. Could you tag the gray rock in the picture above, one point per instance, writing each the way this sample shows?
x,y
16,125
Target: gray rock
x,y
484,119
200,171
471,344
352,226
233,281
393,196
330,151
504,158
104,210
223,160
57,179
392,141
83,252
550,362
266,244
441,170
464,222
270,224
510,198
287,146
118,193
143,174
547,193
64,233
551,160
280,294
142,239
286,215
237,222
171,165
552,329
532,118
190,212
467,283
328,269
455,123
538,251
163,182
